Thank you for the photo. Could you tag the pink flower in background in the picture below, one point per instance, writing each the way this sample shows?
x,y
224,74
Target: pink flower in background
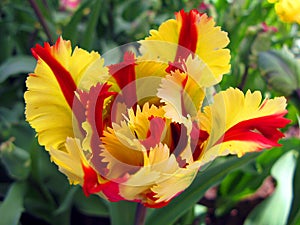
x,y
69,4
203,7
267,28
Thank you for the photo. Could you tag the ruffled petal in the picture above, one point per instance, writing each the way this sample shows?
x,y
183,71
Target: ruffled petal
x,y
124,76
50,97
70,161
153,184
123,145
181,95
191,33
121,151
251,126
170,185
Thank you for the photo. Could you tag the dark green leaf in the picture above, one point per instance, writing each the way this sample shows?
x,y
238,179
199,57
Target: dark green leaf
x,y
236,186
122,213
12,206
91,26
16,65
67,202
281,70
70,31
92,205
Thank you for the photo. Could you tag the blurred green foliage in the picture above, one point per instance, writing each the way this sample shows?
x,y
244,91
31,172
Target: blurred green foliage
x,y
31,187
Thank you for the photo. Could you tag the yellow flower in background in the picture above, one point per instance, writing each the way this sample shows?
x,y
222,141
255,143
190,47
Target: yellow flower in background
x,y
139,130
287,10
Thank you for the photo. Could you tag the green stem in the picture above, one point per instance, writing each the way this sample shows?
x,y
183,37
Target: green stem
x,y
140,214
41,19
244,78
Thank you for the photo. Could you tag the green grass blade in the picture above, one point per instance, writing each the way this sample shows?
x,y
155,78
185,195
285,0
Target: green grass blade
x,y
88,38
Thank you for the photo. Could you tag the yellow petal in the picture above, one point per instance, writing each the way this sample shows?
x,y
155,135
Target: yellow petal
x,y
210,41
211,44
139,183
157,166
121,151
49,100
138,120
70,161
171,184
249,127
154,46
148,78
181,95
201,73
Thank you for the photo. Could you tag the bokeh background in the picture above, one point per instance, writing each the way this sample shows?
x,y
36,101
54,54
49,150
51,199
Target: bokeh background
x,y
260,188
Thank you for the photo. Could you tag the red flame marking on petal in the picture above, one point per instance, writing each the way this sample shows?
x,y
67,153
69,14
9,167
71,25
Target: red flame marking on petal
x,y
155,131
109,188
188,35
151,196
263,130
94,104
63,77
124,74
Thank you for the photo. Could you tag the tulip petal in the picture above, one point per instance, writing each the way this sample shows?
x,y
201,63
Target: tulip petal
x,y
182,96
158,166
124,144
121,151
172,184
191,33
70,161
124,75
251,126
51,90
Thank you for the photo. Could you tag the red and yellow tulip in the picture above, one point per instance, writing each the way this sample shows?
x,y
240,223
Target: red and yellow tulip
x,y
141,129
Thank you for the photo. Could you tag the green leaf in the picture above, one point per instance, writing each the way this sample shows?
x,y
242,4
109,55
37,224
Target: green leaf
x,y
296,220
91,26
16,65
281,70
67,202
92,205
204,180
12,206
236,186
122,213
275,209
241,183
16,160
8,117
70,31
294,217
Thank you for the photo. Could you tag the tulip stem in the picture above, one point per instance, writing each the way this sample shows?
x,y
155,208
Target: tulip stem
x,y
140,214
40,17
244,78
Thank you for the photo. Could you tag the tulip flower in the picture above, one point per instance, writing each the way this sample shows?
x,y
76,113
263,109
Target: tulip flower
x,y
140,130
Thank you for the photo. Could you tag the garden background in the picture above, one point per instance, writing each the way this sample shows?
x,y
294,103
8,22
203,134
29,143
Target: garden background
x,y
260,188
